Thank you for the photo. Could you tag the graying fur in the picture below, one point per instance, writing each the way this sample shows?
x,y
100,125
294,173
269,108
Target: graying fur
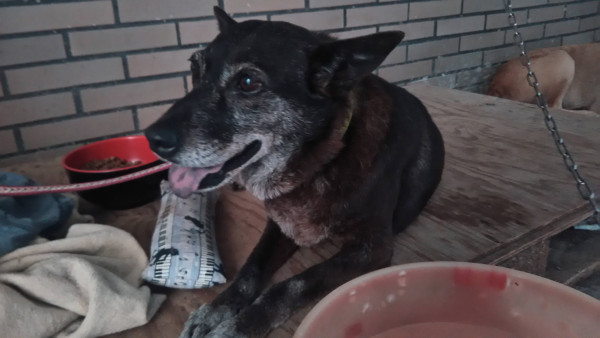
x,y
268,122
205,318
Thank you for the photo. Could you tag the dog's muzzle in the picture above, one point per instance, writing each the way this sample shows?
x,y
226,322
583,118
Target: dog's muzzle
x,y
184,181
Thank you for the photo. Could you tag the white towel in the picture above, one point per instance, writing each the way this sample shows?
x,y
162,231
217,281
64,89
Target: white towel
x,y
85,285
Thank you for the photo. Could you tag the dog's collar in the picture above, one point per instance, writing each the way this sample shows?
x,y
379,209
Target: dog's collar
x,y
346,124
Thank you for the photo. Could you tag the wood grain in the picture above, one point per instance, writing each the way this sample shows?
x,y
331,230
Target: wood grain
x,y
504,189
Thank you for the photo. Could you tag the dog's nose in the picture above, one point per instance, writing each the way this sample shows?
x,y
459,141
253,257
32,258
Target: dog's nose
x,y
163,141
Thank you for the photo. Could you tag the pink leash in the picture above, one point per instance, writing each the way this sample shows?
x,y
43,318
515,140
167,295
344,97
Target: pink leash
x,y
45,189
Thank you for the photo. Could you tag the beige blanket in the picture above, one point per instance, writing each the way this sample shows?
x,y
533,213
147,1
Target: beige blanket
x,y
85,285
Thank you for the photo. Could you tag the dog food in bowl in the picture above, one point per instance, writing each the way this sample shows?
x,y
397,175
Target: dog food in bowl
x,y
112,162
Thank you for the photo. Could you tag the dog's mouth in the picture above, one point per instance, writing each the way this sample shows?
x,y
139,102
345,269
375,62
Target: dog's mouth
x,y
184,181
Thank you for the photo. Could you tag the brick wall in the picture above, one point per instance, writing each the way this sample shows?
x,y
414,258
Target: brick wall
x,y
78,71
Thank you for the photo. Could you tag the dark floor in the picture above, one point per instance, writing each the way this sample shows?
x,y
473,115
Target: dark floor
x,y
574,259
590,285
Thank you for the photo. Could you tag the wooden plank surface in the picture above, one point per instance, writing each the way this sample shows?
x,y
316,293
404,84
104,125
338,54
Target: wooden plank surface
x,y
504,189
505,185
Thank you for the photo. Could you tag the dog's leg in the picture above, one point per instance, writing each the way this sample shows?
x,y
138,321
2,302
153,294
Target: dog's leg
x,y
280,301
558,93
272,250
419,181
556,72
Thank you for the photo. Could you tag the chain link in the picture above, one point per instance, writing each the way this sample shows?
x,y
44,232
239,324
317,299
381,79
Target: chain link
x,y
583,187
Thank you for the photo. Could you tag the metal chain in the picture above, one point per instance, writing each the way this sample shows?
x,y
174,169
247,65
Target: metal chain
x,y
583,187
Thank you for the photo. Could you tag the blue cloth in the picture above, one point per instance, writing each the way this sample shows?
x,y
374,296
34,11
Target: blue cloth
x,y
590,224
23,218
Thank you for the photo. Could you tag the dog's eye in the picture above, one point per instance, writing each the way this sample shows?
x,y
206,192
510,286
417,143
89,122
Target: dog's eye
x,y
248,84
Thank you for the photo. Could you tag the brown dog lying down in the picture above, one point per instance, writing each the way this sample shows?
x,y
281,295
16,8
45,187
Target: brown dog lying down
x,y
569,77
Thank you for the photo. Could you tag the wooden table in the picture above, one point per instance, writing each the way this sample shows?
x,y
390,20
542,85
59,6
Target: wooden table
x,y
504,189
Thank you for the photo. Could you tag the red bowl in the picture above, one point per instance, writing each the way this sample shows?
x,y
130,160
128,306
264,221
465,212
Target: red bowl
x,y
131,148
123,195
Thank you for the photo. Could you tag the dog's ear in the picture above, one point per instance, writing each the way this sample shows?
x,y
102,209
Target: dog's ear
x,y
225,21
337,66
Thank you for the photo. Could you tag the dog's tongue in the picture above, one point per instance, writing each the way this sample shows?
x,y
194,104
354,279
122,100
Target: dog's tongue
x,y
184,181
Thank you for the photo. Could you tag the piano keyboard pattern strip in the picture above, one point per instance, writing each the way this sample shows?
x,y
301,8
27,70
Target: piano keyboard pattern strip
x,y
207,255
162,266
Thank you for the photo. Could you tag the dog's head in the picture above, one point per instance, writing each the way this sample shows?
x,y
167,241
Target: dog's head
x,y
261,90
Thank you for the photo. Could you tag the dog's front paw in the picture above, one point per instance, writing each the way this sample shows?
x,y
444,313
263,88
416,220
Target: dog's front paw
x,y
227,329
204,319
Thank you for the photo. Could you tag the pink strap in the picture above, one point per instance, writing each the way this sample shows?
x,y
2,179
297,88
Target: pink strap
x,y
45,189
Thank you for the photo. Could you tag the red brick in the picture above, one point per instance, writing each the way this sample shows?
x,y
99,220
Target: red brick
x,y
194,32
38,78
246,6
432,48
562,27
589,23
472,6
321,20
7,142
147,10
333,3
347,34
132,94
584,8
374,15
528,33
398,55
123,39
546,14
460,25
500,20
147,116
24,50
159,62
412,30
77,129
500,54
577,39
36,108
481,40
31,18
431,9
406,71
528,3
456,62
546,43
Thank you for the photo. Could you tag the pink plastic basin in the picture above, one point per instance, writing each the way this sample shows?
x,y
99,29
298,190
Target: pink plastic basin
x,y
450,299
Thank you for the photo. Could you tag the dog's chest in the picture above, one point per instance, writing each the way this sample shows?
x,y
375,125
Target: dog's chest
x,y
297,222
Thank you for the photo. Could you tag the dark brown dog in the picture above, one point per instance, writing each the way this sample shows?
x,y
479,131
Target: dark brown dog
x,y
297,118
